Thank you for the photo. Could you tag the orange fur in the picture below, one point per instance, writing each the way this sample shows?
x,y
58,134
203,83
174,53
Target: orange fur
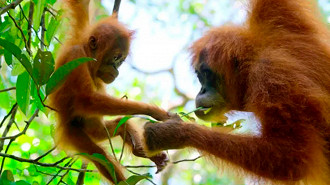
x,y
81,102
277,65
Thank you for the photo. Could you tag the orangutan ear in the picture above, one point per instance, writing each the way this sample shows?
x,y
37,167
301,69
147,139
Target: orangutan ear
x,y
92,42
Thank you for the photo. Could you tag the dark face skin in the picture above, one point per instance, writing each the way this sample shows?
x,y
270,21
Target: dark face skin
x,y
111,59
211,96
108,70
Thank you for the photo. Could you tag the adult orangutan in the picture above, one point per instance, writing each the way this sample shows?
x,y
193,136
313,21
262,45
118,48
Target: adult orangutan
x,y
277,66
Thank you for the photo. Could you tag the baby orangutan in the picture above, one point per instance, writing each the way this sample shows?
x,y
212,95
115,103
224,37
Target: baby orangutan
x,y
81,102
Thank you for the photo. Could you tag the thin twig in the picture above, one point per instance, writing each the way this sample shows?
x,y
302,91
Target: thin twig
x,y
123,147
110,142
35,114
187,160
170,70
50,11
10,6
57,173
8,89
66,173
55,165
44,155
148,179
58,40
43,29
43,101
44,173
30,20
6,116
3,159
10,123
21,31
153,166
51,8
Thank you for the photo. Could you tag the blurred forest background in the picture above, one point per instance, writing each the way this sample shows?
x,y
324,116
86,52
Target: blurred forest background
x,y
156,71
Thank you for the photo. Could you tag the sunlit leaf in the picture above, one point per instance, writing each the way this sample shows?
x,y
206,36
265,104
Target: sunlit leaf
x,y
43,66
207,110
5,26
145,118
32,171
17,69
134,179
38,11
2,3
51,1
52,130
51,30
62,72
5,97
68,180
120,123
23,87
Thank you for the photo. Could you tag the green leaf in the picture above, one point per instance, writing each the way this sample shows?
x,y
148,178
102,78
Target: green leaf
x,y
68,180
52,130
38,11
36,99
16,51
62,72
7,177
5,98
12,48
33,171
17,69
120,123
134,179
8,57
35,183
21,182
51,30
23,87
51,2
43,66
104,161
4,26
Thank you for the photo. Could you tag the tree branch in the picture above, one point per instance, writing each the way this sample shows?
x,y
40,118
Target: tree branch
x,y
116,8
10,6
8,89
